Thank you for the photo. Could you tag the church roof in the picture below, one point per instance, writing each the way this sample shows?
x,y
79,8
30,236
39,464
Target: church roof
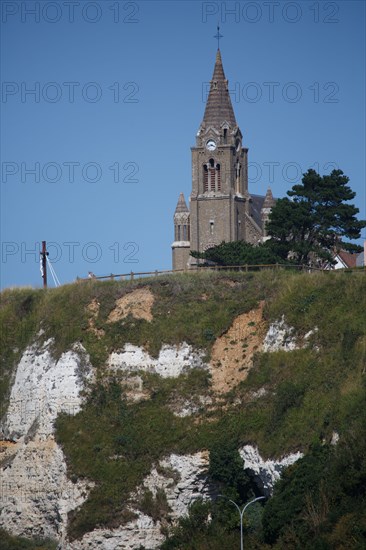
x,y
256,206
181,205
219,107
257,203
347,258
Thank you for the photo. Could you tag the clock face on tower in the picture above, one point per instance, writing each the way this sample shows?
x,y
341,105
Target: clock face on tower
x,y
211,145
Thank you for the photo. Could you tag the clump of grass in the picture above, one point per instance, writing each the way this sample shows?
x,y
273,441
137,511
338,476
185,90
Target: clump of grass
x,y
10,542
156,507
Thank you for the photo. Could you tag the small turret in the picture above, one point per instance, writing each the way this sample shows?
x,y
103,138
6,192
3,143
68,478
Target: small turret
x,y
268,204
269,200
181,244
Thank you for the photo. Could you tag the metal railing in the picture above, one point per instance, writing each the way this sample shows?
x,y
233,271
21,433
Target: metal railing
x,y
132,275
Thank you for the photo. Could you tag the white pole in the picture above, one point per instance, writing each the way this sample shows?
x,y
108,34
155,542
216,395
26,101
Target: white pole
x,y
241,514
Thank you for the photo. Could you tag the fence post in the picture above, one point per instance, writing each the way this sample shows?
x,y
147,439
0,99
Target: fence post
x,y
132,275
246,267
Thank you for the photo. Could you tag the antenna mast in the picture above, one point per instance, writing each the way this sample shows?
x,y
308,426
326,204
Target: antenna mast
x,y
44,255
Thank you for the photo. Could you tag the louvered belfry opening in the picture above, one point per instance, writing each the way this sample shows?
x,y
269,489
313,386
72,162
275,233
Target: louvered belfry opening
x,y
205,178
218,177
211,176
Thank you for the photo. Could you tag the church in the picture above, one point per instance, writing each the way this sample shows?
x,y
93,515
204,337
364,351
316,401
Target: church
x,y
220,205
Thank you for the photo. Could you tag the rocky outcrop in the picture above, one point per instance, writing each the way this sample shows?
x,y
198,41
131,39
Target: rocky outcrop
x,y
36,493
182,478
232,353
265,473
280,336
137,303
43,388
172,360
142,531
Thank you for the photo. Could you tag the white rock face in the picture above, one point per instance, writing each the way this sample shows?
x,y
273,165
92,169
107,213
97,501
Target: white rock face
x,y
265,472
192,484
141,531
172,360
191,471
43,388
279,337
36,494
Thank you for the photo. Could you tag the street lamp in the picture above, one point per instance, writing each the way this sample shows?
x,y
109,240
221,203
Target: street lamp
x,y
241,514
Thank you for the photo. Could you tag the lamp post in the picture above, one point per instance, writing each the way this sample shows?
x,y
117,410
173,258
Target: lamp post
x,y
241,514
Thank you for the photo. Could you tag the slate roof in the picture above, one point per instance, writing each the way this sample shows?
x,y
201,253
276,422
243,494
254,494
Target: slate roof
x,y
219,107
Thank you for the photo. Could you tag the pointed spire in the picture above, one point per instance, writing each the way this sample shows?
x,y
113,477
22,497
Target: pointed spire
x,y
181,205
219,107
269,200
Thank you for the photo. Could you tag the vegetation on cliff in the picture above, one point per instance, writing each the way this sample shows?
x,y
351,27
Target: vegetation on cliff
x,y
289,401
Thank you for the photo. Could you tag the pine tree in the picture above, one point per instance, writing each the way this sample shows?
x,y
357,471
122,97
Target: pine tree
x,y
312,224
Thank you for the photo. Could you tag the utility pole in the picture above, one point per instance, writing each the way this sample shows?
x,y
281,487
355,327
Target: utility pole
x,y
44,255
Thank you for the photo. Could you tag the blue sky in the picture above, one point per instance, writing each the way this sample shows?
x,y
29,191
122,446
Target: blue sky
x,y
94,159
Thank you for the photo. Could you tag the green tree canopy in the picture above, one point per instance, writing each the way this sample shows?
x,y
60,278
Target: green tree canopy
x,y
240,253
313,223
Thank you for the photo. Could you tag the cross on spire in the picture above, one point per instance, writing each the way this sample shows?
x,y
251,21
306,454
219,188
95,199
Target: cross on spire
x,y
218,36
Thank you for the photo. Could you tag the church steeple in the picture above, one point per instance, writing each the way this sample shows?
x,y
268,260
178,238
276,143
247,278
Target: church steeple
x,y
219,108
220,207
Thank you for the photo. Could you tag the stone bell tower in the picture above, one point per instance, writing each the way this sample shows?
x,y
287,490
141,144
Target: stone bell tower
x,y
219,197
